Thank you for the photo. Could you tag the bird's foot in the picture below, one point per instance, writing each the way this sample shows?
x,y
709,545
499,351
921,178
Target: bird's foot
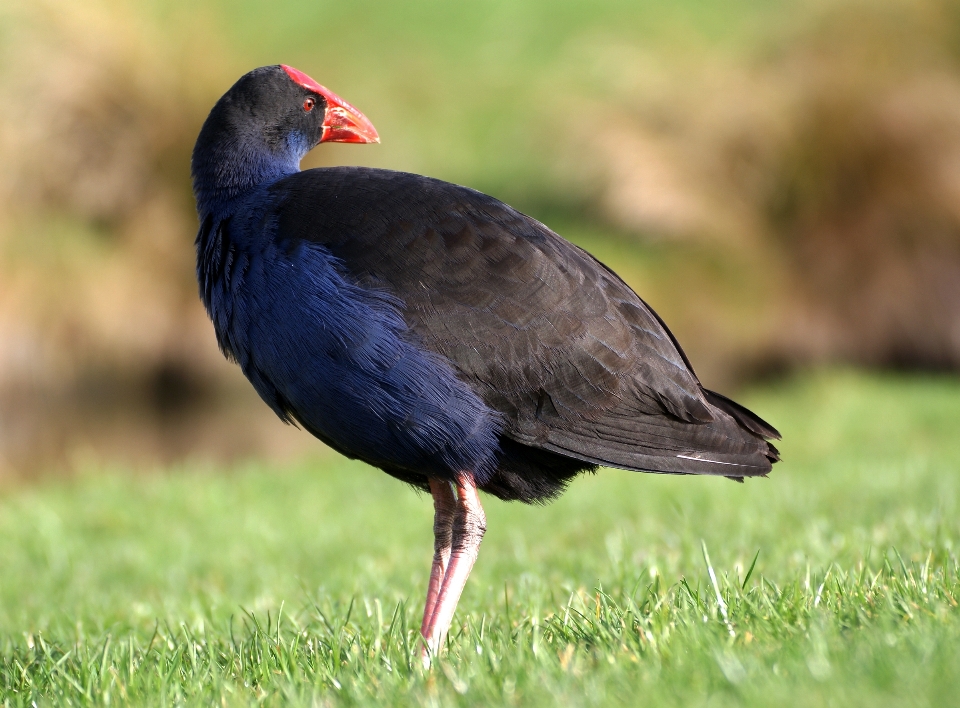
x,y
428,651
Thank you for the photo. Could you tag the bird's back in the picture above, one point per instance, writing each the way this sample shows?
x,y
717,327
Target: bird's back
x,y
581,370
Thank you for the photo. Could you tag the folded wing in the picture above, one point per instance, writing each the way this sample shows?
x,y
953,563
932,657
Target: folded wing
x,y
575,361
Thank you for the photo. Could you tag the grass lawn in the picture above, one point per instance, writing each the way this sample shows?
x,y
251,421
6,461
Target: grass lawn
x,y
303,585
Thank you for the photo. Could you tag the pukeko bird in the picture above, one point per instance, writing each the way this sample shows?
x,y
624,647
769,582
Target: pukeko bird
x,y
433,331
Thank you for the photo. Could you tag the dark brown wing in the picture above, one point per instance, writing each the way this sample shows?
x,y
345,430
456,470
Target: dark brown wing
x,y
577,363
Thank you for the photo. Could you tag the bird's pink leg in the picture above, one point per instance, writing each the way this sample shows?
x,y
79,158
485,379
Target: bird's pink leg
x,y
444,507
469,525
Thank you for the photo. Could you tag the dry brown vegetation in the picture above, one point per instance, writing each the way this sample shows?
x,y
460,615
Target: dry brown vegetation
x,y
821,171
100,324
834,157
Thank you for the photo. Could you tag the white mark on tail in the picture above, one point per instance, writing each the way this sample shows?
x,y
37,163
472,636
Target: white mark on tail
x,y
703,459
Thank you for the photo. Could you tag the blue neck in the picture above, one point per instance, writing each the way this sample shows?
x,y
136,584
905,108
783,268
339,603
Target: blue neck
x,y
225,171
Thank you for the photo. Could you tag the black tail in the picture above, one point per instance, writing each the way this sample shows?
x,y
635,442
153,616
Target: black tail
x,y
748,419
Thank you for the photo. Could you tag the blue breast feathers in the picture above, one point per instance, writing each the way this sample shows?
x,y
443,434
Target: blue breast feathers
x,y
336,357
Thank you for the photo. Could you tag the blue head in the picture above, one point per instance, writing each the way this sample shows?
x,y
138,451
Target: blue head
x,y
261,128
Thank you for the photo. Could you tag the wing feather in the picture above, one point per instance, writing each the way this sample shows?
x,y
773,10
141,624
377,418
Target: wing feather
x,y
575,361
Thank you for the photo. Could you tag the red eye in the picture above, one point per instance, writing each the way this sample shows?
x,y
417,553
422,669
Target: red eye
x,y
308,104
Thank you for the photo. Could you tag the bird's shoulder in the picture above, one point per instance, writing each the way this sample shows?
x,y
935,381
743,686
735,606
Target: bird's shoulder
x,y
343,205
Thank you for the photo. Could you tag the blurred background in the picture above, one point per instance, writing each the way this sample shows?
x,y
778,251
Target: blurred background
x,y
780,180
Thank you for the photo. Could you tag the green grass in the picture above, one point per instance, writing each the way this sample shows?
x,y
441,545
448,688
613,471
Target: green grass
x,y
303,585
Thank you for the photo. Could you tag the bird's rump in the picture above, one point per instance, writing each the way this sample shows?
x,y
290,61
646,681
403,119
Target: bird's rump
x,y
575,362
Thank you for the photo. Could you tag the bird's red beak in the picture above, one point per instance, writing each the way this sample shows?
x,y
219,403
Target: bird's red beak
x,y
342,123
